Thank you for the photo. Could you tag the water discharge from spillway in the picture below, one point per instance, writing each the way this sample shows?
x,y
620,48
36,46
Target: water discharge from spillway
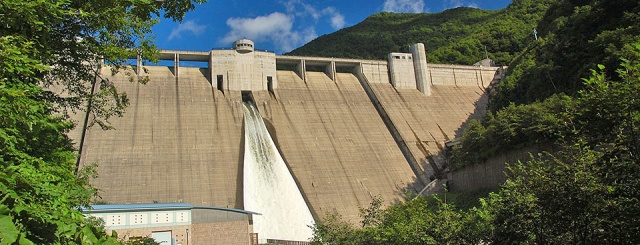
x,y
269,188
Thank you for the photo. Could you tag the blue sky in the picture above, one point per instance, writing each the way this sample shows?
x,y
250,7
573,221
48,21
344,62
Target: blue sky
x,y
283,25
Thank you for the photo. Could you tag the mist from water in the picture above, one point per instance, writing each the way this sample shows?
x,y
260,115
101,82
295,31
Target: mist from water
x,y
269,188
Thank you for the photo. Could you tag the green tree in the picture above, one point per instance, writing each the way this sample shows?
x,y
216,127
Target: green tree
x,y
58,43
512,128
416,221
69,37
142,241
588,193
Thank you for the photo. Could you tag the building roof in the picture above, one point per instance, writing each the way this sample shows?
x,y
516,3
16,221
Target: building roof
x,y
227,209
103,208
137,206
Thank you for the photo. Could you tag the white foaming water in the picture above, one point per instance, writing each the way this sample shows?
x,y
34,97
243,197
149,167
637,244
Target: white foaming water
x,y
269,188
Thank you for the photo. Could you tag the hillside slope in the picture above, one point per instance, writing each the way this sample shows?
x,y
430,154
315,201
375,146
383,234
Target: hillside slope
x,y
543,98
574,36
455,36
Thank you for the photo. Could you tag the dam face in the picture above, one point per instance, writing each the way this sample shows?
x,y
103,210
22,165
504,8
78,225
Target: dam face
x,y
342,129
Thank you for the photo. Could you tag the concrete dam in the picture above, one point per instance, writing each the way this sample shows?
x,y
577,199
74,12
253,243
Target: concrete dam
x,y
346,130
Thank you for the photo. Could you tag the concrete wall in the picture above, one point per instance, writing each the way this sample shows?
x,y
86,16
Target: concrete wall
x,y
393,129
233,232
243,71
376,72
402,71
178,141
491,173
427,122
435,74
219,227
420,66
457,75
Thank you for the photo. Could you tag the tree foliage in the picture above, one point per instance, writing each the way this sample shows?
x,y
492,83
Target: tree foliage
x,y
514,127
57,43
454,36
69,37
535,103
588,193
575,36
417,221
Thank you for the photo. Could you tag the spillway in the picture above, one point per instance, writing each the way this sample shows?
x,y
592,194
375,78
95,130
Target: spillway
x,y
269,188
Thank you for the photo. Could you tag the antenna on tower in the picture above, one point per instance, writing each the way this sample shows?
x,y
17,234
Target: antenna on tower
x,y
486,54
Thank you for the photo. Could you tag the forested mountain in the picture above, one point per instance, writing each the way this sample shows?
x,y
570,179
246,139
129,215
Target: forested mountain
x,y
455,36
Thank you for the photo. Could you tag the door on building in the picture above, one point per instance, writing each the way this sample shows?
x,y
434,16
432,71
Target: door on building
x,y
163,237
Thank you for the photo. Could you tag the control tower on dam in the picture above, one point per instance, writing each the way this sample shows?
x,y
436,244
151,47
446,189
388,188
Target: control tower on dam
x,y
348,130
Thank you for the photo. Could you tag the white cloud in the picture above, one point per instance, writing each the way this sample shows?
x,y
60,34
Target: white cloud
x,y
187,26
449,4
275,27
258,28
404,6
336,18
337,21
301,9
308,35
279,29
